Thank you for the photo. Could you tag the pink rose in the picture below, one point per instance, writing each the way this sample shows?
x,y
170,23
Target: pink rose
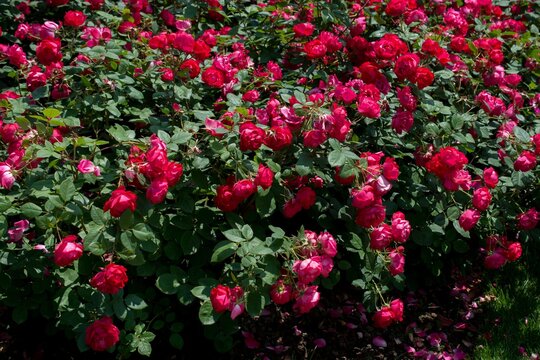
x,y
469,218
383,318
157,191
88,167
397,261
381,237
481,198
308,270
491,178
401,229
526,161
307,300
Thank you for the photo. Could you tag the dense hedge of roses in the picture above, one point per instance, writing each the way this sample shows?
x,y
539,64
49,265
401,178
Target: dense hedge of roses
x,y
240,153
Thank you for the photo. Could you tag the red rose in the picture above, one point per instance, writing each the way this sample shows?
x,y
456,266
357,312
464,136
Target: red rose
x,y
102,334
495,260
192,66
35,79
110,279
529,219
74,18
306,197
184,42
514,251
383,318
481,198
364,197
167,74
251,136
396,7
389,47
371,216
57,2
157,191
220,297
402,121
48,51
225,200
314,138
265,177
303,29
243,189
424,77
368,107
278,137
525,162
201,50
213,77
173,172
281,293
251,96
406,66
380,237
120,201
315,49
291,208
67,251
390,169
406,98
469,218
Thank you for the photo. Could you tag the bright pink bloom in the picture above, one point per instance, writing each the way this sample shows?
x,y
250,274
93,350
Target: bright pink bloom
x,y
88,167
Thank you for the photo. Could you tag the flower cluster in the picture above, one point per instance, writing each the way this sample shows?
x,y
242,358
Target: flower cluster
x,y
154,168
316,253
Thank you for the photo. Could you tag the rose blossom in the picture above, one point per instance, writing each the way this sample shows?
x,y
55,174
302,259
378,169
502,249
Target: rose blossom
x,y
220,297
102,334
469,218
120,201
67,251
88,167
110,279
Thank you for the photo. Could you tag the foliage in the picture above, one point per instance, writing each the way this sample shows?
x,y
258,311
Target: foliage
x,y
231,154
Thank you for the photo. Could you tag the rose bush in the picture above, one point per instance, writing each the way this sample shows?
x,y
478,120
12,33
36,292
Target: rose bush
x,y
234,154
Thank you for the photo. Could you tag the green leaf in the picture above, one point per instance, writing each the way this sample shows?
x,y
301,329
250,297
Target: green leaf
x,y
30,210
51,113
255,303
144,348
19,314
234,235
67,189
223,250
521,134
176,340
167,284
135,302
265,204
207,316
